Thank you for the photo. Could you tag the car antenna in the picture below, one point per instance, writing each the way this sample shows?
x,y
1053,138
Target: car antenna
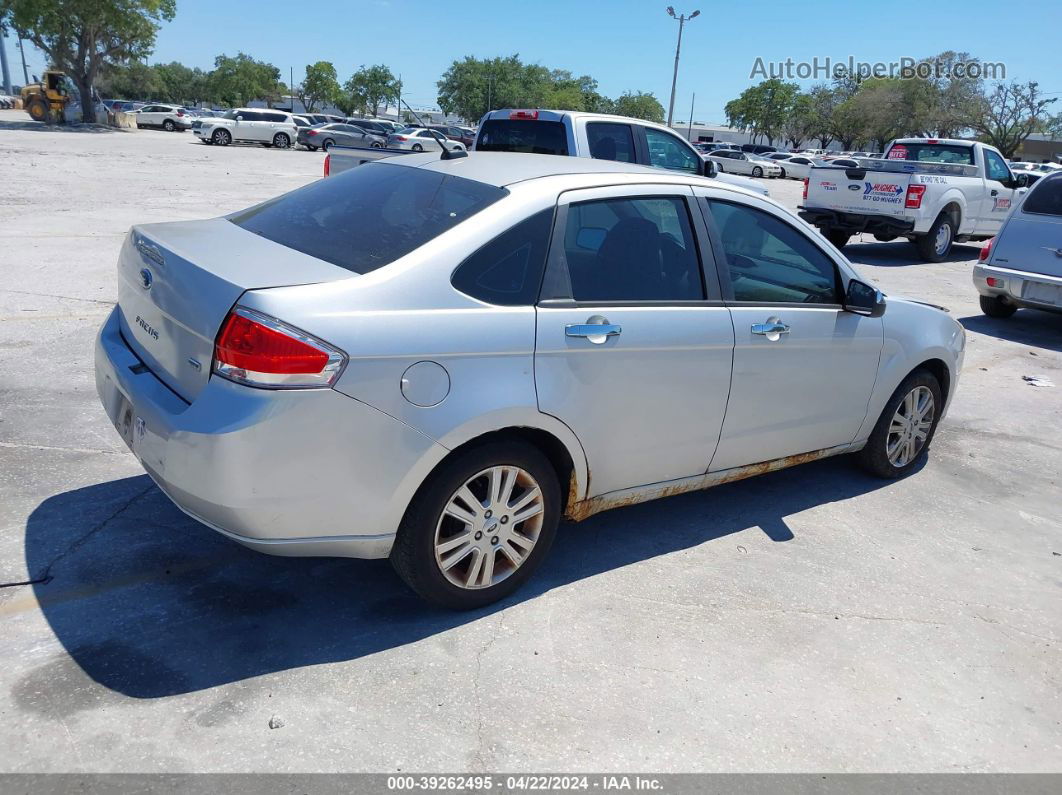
x,y
447,154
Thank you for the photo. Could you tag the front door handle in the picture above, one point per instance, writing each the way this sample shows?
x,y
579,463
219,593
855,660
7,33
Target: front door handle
x,y
771,329
597,329
995,192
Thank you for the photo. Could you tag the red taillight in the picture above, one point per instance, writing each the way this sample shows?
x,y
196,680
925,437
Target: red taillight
x,y
986,252
180,113
992,281
311,132
523,114
328,164
914,196
401,138
259,350
931,140
805,187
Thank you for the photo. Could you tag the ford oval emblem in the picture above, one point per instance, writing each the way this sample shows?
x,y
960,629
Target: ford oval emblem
x,y
145,278
854,187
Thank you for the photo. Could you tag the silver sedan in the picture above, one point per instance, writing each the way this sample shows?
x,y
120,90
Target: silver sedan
x,y
436,360
421,139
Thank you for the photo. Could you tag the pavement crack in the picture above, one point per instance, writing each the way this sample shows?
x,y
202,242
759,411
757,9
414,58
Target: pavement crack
x,y
478,762
45,575
62,297
17,445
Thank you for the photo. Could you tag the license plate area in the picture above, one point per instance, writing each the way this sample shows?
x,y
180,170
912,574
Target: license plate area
x,y
1042,293
129,426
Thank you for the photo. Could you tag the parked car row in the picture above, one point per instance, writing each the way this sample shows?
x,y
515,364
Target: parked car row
x,y
7,101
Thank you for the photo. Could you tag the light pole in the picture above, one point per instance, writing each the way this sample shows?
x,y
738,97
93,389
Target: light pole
x,y
682,20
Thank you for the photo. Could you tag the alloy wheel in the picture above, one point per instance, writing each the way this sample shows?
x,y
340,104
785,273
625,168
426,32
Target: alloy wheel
x,y
489,527
910,427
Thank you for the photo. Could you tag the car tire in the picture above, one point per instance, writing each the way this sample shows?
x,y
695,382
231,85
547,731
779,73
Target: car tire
x,y
935,245
327,144
995,306
893,448
718,168
37,109
168,125
221,137
757,171
417,148
376,145
839,239
426,537
311,148
782,175
281,141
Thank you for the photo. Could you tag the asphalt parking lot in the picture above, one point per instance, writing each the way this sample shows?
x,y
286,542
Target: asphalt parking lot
x,y
814,619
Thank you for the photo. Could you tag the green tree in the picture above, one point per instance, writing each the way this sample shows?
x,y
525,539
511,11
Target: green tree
x,y
888,108
236,81
763,109
181,84
640,105
1010,113
134,80
320,87
82,36
369,87
824,99
800,124
847,124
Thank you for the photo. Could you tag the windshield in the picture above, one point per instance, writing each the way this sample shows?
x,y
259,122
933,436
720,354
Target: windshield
x,y
932,153
368,216
523,135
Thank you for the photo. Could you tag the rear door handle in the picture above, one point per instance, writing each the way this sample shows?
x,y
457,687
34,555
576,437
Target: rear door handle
x,y
597,329
769,328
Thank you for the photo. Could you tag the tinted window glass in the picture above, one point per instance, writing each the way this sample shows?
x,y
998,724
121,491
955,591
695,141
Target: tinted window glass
x,y
770,261
251,115
368,216
932,153
611,142
632,250
995,168
523,135
667,151
508,270
1046,199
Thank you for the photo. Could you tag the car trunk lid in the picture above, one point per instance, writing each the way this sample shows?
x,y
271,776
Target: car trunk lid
x,y
1032,238
178,281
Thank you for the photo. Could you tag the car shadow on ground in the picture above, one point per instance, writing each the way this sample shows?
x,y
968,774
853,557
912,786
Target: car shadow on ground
x,y
901,253
1026,327
150,603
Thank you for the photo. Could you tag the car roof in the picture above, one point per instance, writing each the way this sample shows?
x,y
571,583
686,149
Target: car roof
x,y
558,115
507,168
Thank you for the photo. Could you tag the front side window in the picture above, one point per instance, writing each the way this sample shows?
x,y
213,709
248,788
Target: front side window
x,y
368,216
667,151
995,168
770,261
632,250
508,270
610,141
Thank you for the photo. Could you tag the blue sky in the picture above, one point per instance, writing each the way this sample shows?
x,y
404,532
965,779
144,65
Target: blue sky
x,y
625,44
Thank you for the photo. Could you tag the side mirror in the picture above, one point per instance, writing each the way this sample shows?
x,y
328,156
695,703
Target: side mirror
x,y
710,169
862,299
239,118
1020,181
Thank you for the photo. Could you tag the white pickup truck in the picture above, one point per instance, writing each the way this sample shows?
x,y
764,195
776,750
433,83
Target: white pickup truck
x,y
933,191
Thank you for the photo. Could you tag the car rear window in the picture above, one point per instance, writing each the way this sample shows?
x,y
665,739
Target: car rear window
x,y
1045,198
523,135
933,153
368,216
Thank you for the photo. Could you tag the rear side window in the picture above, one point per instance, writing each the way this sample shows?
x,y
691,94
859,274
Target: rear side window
x,y
250,115
1045,198
368,216
523,135
275,117
610,141
508,270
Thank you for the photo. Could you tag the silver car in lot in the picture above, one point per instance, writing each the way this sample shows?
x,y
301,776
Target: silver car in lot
x,y
422,139
436,360
1022,265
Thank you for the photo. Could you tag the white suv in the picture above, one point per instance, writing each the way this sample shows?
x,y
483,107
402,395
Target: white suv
x,y
168,117
255,125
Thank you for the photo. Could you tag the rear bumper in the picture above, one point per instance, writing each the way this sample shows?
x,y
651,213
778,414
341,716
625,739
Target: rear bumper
x,y
856,223
284,472
1016,286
